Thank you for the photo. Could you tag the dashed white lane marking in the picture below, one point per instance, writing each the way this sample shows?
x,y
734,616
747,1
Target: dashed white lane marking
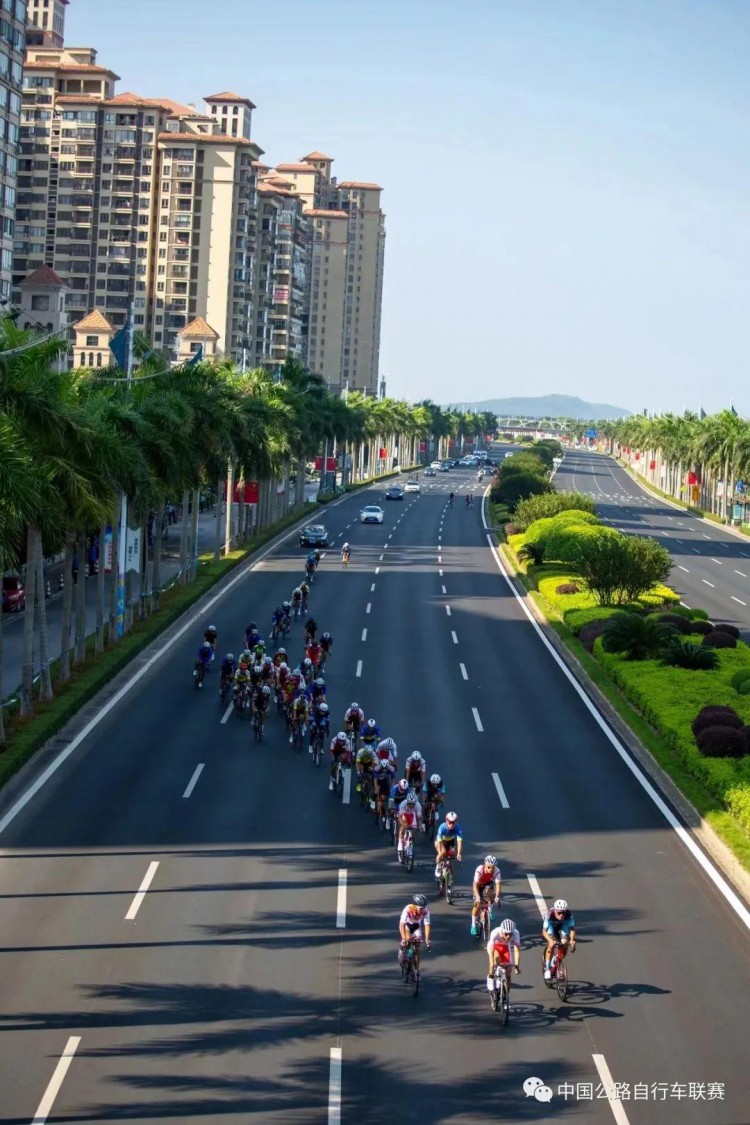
x,y
359,668
536,890
346,794
741,573
193,780
377,569
705,580
717,561
448,610
500,791
369,607
372,588
227,713
477,720
364,634
705,536
695,550
440,558
444,589
683,568
441,573
58,1077
464,673
613,1098
455,638
334,1086
684,605
380,560
148,879
737,600
341,900
439,538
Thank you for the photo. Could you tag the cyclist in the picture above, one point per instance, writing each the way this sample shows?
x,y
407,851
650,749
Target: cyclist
x,y
211,634
279,657
277,618
451,498
353,719
261,699
486,877
449,841
267,671
227,670
318,690
382,776
289,691
311,630
371,733
409,816
340,750
503,948
396,796
346,554
387,750
308,671
287,607
259,650
314,652
296,601
467,500
318,554
415,770
305,595
365,763
559,927
310,567
241,681
300,715
414,917
252,636
203,659
434,794
319,721
326,644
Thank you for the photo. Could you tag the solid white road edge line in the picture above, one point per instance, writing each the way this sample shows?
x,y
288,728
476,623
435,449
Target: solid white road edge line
x,y
500,791
193,780
464,673
334,1087
227,713
58,1077
536,890
359,667
341,900
712,872
477,720
618,1110
148,879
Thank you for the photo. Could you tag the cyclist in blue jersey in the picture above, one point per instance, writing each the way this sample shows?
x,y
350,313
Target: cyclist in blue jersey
x,y
371,733
449,841
559,926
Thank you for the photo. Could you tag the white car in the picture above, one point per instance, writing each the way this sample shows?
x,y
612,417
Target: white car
x,y
371,514
412,486
435,464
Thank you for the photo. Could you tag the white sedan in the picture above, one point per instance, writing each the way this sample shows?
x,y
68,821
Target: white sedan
x,y
371,514
412,486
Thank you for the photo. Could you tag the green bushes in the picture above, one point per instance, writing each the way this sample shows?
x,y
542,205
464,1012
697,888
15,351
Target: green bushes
x,y
739,678
552,504
722,742
719,639
635,637
620,568
561,537
512,489
681,653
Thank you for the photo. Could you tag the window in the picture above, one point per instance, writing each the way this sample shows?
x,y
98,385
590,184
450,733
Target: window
x,y
92,341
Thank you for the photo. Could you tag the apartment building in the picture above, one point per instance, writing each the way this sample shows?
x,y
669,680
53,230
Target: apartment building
x,y
346,282
136,202
12,45
282,290
45,23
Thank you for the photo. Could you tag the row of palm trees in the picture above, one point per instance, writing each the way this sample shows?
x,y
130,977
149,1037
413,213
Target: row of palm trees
x,y
696,459
72,442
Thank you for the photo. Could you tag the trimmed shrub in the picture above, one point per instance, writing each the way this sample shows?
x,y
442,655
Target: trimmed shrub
x,y
552,504
531,553
715,717
510,490
699,614
564,542
636,638
574,515
674,619
568,588
590,633
739,677
680,611
701,628
681,653
744,689
730,630
722,742
621,568
717,639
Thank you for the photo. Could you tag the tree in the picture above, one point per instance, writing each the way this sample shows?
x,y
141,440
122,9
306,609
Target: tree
x,y
619,568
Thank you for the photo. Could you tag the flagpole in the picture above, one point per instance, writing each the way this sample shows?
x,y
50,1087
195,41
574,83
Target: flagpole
x,y
122,544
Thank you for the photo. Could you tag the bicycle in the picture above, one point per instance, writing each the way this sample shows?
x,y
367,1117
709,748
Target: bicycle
x,y
406,856
485,921
410,966
241,699
365,790
500,995
444,879
559,970
317,739
299,730
258,725
199,671
225,689
345,556
381,804
352,732
296,610
338,779
430,820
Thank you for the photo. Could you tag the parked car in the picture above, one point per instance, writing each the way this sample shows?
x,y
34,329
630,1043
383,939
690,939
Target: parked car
x,y
412,486
435,464
395,493
445,467
429,471
371,514
314,535
14,594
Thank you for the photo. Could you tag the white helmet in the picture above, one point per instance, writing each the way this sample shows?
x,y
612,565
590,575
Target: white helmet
x,y
389,744
490,860
296,590
354,707
436,779
451,818
411,797
341,736
345,547
560,904
507,926
323,708
415,756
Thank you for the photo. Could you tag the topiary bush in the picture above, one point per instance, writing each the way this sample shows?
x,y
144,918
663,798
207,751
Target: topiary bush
x,y
744,687
681,653
551,504
511,489
679,611
702,628
634,637
568,588
590,633
739,676
674,619
717,639
715,716
730,630
699,614
722,742
574,515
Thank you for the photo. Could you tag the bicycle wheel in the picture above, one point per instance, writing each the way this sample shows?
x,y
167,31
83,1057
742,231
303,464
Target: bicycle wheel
x,y
340,783
449,886
504,1000
409,857
317,748
415,977
494,996
561,983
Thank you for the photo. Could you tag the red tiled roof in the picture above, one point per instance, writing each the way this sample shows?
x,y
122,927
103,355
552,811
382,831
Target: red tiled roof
x,y
317,156
295,168
45,275
321,213
207,138
358,184
228,96
95,320
198,329
82,68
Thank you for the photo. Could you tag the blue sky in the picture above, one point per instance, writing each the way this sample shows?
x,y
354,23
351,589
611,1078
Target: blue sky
x,y
567,182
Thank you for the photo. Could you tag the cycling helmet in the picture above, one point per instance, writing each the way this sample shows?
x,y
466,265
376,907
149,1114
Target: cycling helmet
x,y
415,756
490,860
207,644
296,590
267,660
266,689
283,667
323,708
371,724
560,904
403,785
307,662
354,707
341,737
345,547
230,656
320,682
389,745
451,818
420,900
411,797
281,652
286,605
297,671
507,926
212,629
436,779
326,637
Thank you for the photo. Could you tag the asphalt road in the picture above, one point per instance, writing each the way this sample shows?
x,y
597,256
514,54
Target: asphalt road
x,y
711,566
261,955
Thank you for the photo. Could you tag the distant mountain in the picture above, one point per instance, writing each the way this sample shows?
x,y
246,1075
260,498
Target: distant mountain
x,y
548,406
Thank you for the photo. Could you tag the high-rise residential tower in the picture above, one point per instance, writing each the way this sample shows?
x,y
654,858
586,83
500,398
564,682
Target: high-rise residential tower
x,y
45,23
12,44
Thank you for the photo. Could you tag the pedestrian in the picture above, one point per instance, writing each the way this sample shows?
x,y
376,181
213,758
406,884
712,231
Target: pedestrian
x,y
171,516
74,567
